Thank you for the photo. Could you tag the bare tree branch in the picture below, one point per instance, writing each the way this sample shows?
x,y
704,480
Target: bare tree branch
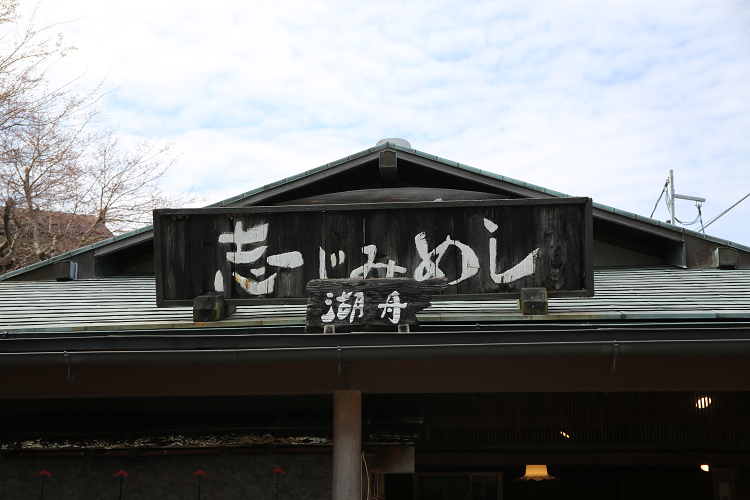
x,y
65,184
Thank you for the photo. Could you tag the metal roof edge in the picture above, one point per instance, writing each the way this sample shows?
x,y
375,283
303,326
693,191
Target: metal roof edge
x,y
159,325
301,175
666,225
77,251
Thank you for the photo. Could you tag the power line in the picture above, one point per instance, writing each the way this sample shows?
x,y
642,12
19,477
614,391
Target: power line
x,y
657,201
725,211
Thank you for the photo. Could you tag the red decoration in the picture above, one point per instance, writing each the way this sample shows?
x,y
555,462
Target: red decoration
x,y
43,472
278,469
122,473
199,471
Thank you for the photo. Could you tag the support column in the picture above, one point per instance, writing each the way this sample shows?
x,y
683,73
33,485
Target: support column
x,y
347,445
671,195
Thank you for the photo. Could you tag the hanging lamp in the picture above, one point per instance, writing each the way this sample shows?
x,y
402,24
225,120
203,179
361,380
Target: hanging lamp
x,y
536,473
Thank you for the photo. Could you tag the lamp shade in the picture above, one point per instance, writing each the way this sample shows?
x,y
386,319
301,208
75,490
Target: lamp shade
x,y
536,473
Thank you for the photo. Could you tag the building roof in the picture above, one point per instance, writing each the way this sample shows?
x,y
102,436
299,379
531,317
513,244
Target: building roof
x,y
241,199
126,303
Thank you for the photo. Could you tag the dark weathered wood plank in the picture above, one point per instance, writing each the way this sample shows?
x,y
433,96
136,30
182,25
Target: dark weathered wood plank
x,y
588,220
205,262
496,247
342,242
368,206
175,251
393,195
159,257
371,301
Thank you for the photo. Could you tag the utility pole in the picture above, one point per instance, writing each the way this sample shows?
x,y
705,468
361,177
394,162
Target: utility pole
x,y
673,196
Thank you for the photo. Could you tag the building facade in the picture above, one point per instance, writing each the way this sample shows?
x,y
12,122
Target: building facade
x,y
622,394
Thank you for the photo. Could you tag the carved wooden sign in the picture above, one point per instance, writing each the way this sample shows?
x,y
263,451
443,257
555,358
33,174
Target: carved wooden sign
x,y
371,301
259,255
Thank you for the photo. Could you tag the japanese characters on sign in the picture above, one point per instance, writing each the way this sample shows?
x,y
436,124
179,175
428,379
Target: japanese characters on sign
x,y
247,252
343,307
358,301
494,246
241,239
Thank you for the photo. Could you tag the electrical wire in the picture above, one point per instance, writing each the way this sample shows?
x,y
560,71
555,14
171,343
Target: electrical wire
x,y
367,475
725,211
669,207
694,221
664,190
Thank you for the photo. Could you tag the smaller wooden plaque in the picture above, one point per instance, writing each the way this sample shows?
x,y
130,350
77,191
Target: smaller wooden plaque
x,y
373,301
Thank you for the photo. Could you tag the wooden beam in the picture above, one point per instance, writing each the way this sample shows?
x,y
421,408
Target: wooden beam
x,y
347,445
614,457
533,301
537,374
393,195
211,307
388,168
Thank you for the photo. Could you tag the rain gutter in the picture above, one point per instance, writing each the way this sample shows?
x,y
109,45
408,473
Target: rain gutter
x,y
382,352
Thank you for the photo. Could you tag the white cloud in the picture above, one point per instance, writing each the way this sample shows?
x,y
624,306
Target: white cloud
x,y
591,98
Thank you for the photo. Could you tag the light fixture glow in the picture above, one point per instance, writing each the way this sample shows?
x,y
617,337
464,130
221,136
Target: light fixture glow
x,y
566,435
704,468
703,402
536,473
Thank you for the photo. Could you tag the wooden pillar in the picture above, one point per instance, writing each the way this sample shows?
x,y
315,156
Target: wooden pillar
x,y
347,445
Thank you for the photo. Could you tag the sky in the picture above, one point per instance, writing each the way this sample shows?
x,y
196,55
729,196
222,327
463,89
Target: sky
x,y
590,98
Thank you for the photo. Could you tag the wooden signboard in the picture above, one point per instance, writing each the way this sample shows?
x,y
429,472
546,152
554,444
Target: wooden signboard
x,y
484,248
371,301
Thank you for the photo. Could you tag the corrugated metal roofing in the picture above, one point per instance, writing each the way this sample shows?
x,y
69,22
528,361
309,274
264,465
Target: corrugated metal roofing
x,y
128,302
